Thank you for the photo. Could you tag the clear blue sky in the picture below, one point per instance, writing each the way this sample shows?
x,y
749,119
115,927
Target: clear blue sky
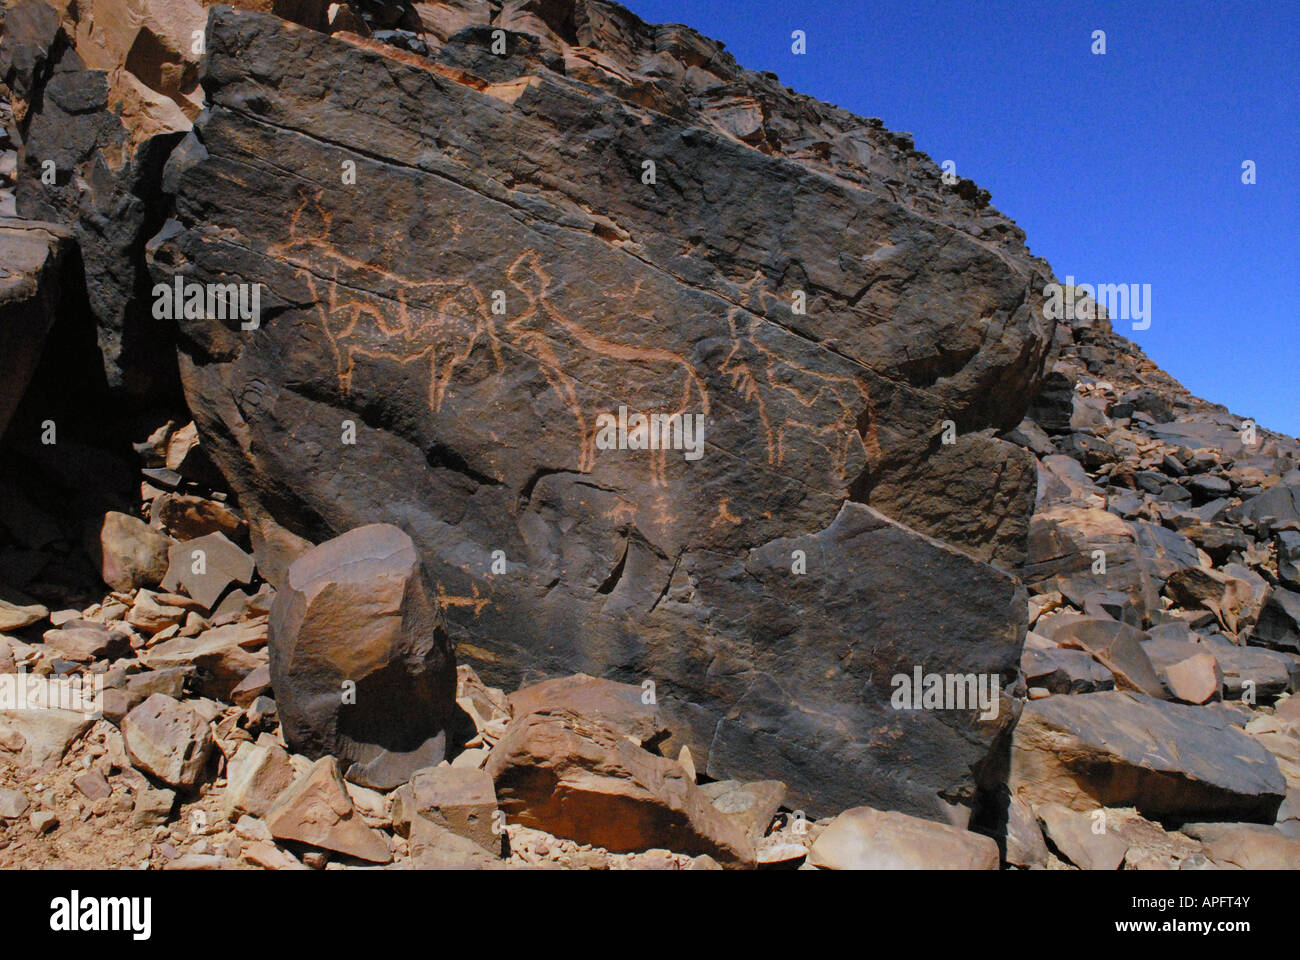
x,y
1122,168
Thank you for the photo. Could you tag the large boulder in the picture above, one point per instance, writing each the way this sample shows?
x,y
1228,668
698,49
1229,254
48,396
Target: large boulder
x,y
579,778
452,380
1121,749
360,661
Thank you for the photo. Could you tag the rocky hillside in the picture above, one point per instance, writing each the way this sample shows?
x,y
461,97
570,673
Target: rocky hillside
x,y
362,363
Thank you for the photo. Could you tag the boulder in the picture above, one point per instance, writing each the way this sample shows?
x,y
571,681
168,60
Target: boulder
x,y
360,661
206,566
1082,838
316,810
1197,679
868,839
128,553
167,739
1278,626
1118,647
461,800
577,778
223,656
1121,749
477,431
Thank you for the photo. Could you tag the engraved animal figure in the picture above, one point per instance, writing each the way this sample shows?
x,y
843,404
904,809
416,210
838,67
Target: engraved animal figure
x,y
564,345
406,320
795,405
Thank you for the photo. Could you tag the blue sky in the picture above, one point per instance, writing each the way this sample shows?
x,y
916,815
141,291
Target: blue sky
x,y
1122,168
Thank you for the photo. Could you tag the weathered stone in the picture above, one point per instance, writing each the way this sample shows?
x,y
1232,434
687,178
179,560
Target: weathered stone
x,y
435,847
257,774
976,493
477,431
41,736
15,617
1123,749
188,517
206,566
1082,838
867,839
1197,679
317,810
152,807
619,706
1063,544
1025,846
168,740
33,254
254,684
128,553
1118,647
12,804
580,779
459,799
357,610
1065,671
221,655
1278,626
1246,846
752,805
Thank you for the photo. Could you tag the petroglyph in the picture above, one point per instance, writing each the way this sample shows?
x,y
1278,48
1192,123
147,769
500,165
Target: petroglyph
x,y
370,313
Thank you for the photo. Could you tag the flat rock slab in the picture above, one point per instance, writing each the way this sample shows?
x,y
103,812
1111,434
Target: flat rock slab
x,y
206,566
1120,749
867,839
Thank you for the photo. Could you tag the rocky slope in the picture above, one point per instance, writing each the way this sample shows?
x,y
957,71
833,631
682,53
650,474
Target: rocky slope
x,y
475,228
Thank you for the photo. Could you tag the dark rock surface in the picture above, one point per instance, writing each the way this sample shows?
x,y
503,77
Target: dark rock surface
x,y
475,432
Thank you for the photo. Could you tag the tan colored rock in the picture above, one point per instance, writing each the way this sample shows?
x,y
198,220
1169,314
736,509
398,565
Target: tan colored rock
x,y
129,553
434,847
1083,837
868,839
316,810
1121,749
751,805
1025,844
206,566
222,653
149,614
1246,846
617,706
187,517
257,774
41,737
15,617
164,737
579,778
460,799
1197,679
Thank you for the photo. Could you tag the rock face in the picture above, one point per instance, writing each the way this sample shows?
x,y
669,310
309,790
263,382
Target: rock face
x,y
31,258
438,354
360,662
